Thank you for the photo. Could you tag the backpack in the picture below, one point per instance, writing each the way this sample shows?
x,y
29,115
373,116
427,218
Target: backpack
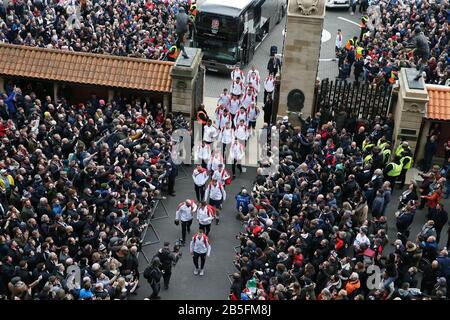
x,y
194,239
148,273
228,181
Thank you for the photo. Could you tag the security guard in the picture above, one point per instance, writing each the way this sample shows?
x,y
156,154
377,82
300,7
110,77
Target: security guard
x,y
382,143
386,153
406,162
192,16
393,171
392,78
193,11
172,55
401,148
363,26
359,52
349,44
377,158
367,144
368,159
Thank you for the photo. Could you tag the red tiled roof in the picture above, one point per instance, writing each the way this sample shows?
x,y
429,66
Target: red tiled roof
x,y
85,68
438,107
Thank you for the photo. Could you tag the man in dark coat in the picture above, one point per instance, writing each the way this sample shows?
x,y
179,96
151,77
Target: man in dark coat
x,y
167,259
273,65
268,109
440,218
430,150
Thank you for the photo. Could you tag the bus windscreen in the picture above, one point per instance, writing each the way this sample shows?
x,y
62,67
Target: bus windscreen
x,y
220,51
217,27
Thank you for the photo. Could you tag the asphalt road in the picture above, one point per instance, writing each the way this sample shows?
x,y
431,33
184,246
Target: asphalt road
x,y
184,285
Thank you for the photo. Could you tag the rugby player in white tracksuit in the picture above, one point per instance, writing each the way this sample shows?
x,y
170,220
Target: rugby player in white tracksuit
x,y
215,195
224,99
240,115
252,116
200,176
214,161
203,153
221,175
205,216
237,152
200,248
269,86
237,73
235,105
223,119
237,88
210,132
226,137
185,214
241,133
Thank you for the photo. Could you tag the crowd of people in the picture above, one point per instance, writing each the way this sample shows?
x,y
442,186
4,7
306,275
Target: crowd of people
x,y
140,29
78,184
397,34
317,228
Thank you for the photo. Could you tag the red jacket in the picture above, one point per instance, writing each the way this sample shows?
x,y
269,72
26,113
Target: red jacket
x,y
339,243
434,199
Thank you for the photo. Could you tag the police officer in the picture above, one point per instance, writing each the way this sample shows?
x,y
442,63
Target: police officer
x,y
167,259
386,154
393,171
399,151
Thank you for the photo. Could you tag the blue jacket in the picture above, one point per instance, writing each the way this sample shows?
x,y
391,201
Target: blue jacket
x,y
242,200
444,263
10,103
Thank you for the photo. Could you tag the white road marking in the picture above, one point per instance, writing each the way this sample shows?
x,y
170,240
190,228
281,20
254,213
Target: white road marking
x,y
327,59
349,21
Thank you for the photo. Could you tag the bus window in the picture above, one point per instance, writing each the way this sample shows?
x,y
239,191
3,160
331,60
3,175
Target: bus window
x,y
218,27
257,10
220,51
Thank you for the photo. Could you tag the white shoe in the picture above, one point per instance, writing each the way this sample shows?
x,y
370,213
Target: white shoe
x,y
195,272
202,272
351,13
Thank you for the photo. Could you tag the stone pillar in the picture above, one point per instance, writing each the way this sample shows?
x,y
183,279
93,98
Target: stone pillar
x,y
2,84
301,57
184,74
410,109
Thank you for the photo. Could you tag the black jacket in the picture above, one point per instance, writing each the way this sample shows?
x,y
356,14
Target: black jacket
x,y
440,217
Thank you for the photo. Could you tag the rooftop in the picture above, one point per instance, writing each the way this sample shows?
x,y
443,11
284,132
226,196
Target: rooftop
x,y
85,68
438,107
